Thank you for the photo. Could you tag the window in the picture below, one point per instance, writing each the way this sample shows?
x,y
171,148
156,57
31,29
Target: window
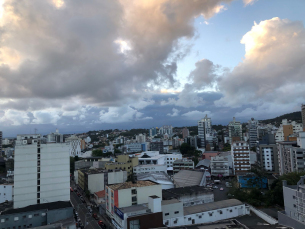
x,y
36,214
134,224
189,219
16,218
133,191
166,214
24,216
176,212
2,220
30,216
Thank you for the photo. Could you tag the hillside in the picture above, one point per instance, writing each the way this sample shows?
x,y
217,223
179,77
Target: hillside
x,y
294,116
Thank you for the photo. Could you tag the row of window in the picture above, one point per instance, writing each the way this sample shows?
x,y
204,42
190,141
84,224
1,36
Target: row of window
x,y
24,217
19,227
176,212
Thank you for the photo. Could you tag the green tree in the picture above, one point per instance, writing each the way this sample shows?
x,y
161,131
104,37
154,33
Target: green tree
x,y
185,148
226,147
117,151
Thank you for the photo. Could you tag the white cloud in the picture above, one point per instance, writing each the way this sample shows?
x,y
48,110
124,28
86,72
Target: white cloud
x,y
14,117
196,115
175,113
249,2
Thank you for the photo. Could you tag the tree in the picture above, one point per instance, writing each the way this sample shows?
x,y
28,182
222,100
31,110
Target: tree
x,y
117,151
226,147
185,148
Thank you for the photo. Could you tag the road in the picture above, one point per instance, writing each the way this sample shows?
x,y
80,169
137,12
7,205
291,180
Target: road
x,y
83,212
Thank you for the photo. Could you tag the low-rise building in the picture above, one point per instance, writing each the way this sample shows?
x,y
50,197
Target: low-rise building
x,y
128,197
186,178
189,196
6,192
139,169
220,166
160,178
94,180
182,164
99,197
155,160
171,158
123,162
202,213
203,164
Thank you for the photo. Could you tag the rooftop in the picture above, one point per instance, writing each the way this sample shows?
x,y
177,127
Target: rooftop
x,y
127,185
188,178
160,177
172,201
211,206
35,207
134,208
168,194
149,165
204,162
100,194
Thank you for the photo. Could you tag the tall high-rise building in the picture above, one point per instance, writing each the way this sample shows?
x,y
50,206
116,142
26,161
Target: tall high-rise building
x,y
252,128
41,171
55,137
0,141
153,131
204,130
303,116
185,132
235,131
166,130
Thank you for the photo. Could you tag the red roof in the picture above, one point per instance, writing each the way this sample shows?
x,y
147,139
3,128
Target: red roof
x,y
100,194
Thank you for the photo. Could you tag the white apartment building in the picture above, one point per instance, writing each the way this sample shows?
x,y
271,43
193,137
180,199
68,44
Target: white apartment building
x,y
287,128
182,164
204,130
219,166
75,145
41,171
170,158
166,130
55,137
141,138
5,142
139,169
241,157
6,192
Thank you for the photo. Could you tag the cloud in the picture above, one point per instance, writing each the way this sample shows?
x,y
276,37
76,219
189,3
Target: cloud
x,y
14,117
196,115
273,67
175,113
249,2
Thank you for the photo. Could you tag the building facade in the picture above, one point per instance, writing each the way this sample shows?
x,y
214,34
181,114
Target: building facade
x,y
41,171
123,162
182,164
204,131
252,128
268,158
235,131
241,157
75,145
55,137
139,169
6,192
284,150
286,129
219,166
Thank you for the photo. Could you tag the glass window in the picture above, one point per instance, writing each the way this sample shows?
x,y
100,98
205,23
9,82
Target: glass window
x,y
134,224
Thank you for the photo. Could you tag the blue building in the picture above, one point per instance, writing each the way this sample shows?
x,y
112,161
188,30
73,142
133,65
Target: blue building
x,y
249,181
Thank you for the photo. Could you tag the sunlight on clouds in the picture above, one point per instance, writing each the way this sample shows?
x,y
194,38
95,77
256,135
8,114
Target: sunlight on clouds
x,y
167,91
9,57
249,2
123,45
58,3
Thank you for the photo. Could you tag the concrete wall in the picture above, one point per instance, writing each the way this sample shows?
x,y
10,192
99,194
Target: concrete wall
x,y
195,199
59,214
173,210
287,221
117,177
289,202
96,182
6,192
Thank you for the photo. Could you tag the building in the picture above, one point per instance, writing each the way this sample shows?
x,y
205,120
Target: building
x,y
166,130
192,141
171,158
182,164
123,162
209,154
268,158
303,116
185,132
158,159
5,141
55,137
153,131
252,128
141,138
235,131
204,130
75,145
41,171
157,146
59,213
149,168
157,177
6,192
285,157
219,166
189,196
286,129
124,198
94,180
251,181
202,213
241,157
185,178
99,197
1,141
135,147
203,164
294,199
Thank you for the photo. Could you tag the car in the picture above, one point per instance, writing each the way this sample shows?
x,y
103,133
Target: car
x,y
100,222
221,189
71,189
78,194
83,200
215,187
90,210
95,216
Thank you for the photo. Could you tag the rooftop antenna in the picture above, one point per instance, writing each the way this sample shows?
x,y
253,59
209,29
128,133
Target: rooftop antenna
x,y
35,130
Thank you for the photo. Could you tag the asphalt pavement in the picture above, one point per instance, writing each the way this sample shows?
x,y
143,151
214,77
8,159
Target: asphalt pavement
x,y
85,216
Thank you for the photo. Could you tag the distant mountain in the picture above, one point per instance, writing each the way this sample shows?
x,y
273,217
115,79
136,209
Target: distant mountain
x,y
294,116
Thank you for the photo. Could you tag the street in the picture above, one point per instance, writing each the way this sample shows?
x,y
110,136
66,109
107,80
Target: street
x,y
84,214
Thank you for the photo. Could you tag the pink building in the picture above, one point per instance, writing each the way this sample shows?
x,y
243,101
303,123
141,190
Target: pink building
x,y
209,154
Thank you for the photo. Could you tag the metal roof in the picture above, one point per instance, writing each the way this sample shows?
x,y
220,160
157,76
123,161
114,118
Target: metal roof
x,y
188,178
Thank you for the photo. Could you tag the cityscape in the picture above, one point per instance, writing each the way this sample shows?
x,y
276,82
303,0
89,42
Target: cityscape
x,y
152,114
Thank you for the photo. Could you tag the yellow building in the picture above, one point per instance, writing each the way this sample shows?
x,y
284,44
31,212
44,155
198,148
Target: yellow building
x,y
123,162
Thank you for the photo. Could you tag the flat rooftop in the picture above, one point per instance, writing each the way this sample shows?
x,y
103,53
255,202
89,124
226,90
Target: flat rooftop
x,y
149,165
186,178
183,191
129,184
134,208
172,201
211,206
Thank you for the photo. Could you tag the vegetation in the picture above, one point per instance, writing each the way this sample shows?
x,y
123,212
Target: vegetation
x,y
226,147
133,132
99,153
259,197
101,145
189,151
117,151
294,116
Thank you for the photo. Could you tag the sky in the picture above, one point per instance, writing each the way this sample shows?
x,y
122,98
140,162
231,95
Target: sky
x,y
96,64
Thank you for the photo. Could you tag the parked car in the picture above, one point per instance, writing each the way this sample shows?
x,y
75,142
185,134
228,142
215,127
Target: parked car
x,y
221,189
101,223
95,216
215,187
71,189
